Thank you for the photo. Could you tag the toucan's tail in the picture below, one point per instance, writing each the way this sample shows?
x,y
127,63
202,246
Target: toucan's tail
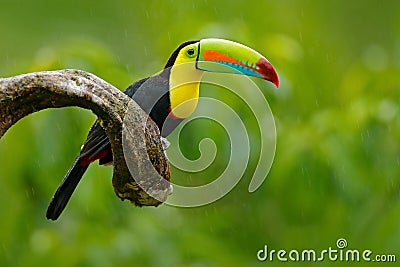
x,y
65,189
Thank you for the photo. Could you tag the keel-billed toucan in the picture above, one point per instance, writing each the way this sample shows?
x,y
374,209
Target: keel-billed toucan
x,y
168,97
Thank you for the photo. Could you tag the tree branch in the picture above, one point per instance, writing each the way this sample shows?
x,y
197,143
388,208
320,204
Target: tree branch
x,y
24,94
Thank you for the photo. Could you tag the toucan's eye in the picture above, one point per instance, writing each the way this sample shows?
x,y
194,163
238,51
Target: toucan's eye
x,y
190,52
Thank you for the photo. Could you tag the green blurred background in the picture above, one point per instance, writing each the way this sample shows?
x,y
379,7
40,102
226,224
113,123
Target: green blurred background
x,y
337,166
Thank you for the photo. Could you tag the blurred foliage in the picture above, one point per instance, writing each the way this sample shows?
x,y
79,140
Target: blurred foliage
x,y
337,166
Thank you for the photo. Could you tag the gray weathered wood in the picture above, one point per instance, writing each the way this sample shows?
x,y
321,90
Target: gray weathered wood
x,y
24,94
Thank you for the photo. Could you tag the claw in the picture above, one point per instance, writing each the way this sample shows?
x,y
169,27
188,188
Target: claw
x,y
165,143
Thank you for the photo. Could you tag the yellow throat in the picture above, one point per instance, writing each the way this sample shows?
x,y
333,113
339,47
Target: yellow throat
x,y
184,87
